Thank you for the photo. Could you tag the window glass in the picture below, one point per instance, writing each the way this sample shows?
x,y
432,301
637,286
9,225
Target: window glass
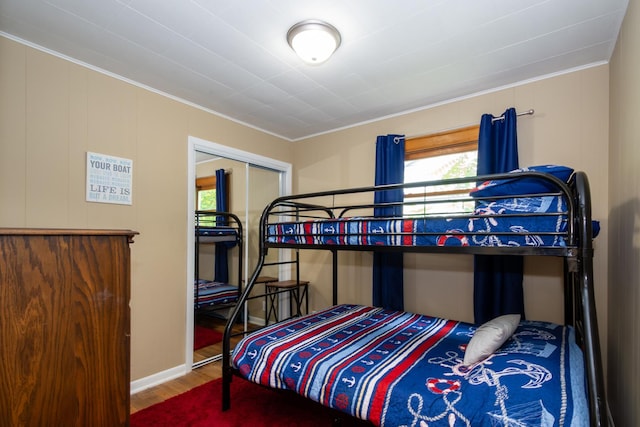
x,y
445,155
207,200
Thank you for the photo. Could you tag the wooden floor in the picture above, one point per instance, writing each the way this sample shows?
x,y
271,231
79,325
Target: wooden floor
x,y
199,376
164,391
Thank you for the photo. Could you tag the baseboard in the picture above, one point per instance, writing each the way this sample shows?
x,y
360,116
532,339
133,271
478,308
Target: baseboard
x,y
158,378
172,373
256,320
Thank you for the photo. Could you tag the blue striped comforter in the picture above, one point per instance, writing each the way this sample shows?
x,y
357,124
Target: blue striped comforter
x,y
209,293
402,369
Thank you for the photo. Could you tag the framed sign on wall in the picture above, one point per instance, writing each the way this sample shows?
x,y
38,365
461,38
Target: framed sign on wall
x,y
109,179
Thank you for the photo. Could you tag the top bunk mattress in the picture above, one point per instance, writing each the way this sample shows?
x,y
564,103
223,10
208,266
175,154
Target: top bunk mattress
x,y
214,227
206,234
539,221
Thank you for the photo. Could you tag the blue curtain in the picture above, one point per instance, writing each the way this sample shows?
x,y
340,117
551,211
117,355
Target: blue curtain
x,y
221,272
497,278
387,267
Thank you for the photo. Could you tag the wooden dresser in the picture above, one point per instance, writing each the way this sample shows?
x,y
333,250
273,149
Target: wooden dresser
x,y
64,327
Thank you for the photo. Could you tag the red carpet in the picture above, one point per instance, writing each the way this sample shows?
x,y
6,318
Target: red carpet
x,y
251,405
203,337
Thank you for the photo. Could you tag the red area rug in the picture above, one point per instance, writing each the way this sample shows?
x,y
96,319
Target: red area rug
x,y
251,405
203,337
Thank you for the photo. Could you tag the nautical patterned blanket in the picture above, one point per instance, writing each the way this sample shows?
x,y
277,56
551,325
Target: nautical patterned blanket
x,y
498,223
219,234
402,369
219,230
213,293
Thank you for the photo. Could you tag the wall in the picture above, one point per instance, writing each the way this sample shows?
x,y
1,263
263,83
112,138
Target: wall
x,y
569,127
52,112
624,241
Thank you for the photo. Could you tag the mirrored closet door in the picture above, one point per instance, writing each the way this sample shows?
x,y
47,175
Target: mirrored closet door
x,y
249,187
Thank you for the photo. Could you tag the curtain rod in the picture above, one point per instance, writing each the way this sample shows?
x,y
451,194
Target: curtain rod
x,y
524,113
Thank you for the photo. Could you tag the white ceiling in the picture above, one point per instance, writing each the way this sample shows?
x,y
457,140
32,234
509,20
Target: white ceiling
x,y
232,57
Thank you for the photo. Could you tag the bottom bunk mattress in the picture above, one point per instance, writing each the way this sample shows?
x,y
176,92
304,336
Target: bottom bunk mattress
x,y
402,369
208,293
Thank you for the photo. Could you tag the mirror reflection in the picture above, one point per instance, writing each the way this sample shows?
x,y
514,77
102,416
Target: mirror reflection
x,y
230,197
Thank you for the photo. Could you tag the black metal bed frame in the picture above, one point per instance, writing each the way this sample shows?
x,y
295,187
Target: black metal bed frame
x,y
232,222
579,302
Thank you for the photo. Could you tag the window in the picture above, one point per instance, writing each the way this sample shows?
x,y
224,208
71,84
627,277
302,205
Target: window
x,y
450,154
206,193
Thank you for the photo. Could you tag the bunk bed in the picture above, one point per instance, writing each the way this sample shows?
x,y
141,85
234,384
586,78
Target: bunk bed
x,y
223,230
406,369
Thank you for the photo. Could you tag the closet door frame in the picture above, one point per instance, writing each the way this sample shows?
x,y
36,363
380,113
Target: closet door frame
x,y
201,145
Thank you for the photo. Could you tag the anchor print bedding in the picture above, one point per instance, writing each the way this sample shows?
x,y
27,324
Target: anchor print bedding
x,y
528,221
214,293
402,369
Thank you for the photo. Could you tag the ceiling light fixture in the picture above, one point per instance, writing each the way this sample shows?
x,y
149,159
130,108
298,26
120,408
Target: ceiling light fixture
x,y
314,41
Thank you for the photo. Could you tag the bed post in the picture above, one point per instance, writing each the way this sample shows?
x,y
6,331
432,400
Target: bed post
x,y
227,372
335,276
569,294
593,358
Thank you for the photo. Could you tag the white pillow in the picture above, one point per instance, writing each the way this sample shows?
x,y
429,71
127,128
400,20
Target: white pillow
x,y
489,337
